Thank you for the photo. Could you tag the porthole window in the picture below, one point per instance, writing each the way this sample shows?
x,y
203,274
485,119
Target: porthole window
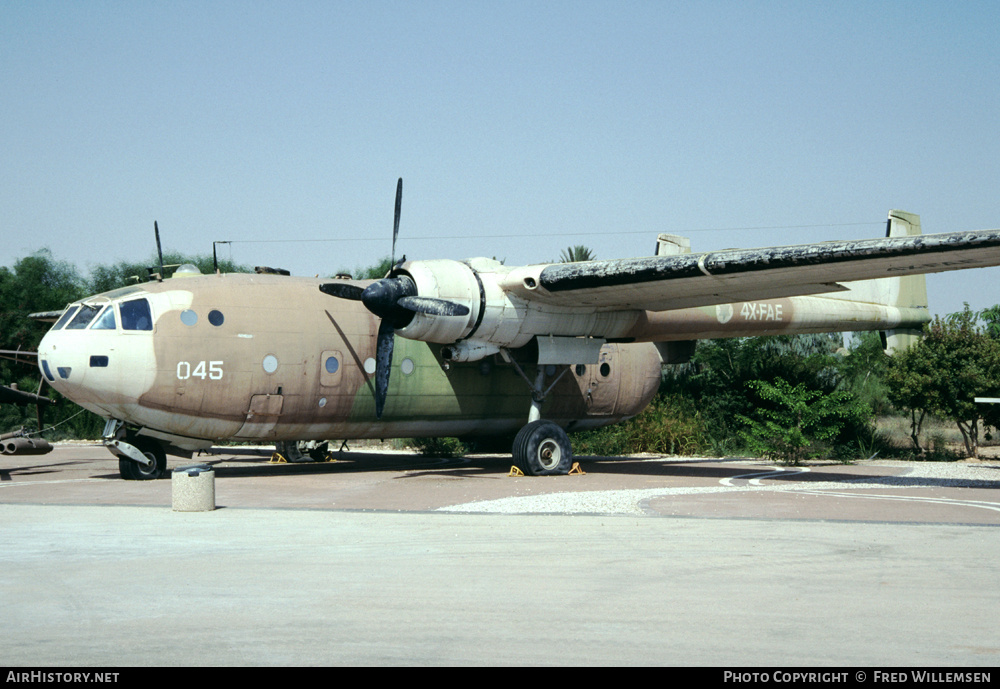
x,y
605,370
369,365
189,317
270,362
215,317
330,363
581,370
407,366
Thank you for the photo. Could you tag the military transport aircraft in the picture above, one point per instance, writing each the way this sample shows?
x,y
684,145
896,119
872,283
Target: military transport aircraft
x,y
461,348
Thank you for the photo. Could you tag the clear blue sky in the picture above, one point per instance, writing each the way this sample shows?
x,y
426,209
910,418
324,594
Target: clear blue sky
x,y
519,128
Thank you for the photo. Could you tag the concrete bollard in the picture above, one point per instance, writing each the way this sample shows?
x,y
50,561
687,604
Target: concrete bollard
x,y
193,488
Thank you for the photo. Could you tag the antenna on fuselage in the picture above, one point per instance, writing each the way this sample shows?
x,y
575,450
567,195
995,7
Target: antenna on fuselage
x,y
215,258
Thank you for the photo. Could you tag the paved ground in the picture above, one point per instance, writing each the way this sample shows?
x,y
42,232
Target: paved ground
x,y
660,561
667,486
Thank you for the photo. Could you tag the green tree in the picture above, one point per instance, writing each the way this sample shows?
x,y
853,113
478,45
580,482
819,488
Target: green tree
x,y
991,320
942,374
106,277
575,254
718,376
375,271
794,422
35,283
863,370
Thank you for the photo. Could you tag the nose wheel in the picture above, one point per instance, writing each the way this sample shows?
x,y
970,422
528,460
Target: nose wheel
x,y
543,449
131,470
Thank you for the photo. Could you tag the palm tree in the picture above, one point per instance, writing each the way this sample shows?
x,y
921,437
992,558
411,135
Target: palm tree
x,y
575,254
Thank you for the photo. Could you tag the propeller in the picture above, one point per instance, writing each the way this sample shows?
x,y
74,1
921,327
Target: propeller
x,y
394,300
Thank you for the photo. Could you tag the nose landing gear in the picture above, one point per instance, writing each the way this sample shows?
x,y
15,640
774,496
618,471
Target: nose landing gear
x,y
139,459
132,470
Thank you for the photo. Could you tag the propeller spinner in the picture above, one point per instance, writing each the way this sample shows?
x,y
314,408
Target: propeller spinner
x,y
394,300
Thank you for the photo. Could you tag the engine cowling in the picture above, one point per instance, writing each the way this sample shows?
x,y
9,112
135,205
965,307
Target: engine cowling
x,y
494,318
498,317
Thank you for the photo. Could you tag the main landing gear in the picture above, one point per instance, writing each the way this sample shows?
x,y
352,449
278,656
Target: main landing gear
x,y
541,448
303,450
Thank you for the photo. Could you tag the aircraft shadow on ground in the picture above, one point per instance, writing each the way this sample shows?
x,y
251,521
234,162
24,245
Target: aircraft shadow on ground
x,y
254,463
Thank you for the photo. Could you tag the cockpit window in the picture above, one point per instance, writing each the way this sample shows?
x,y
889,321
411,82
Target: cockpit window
x,y
70,311
136,315
106,321
83,317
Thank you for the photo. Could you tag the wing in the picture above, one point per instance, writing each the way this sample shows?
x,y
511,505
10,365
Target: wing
x,y
47,316
672,282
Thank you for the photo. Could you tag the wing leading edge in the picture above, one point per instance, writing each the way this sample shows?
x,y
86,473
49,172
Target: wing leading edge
x,y
662,283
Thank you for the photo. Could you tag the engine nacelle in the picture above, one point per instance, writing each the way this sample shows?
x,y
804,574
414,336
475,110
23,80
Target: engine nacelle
x,y
493,318
443,279
498,317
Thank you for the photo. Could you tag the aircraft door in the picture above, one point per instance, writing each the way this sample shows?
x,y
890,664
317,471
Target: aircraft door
x,y
262,416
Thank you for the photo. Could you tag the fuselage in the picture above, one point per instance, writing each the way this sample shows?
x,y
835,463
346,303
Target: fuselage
x,y
203,359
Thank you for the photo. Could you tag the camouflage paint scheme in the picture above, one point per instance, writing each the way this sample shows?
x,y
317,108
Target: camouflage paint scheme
x,y
272,358
204,383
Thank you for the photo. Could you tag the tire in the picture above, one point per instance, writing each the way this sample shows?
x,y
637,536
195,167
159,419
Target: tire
x,y
296,451
131,470
543,449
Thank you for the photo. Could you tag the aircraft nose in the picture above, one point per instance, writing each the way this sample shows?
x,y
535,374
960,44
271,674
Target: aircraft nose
x,y
98,369
55,365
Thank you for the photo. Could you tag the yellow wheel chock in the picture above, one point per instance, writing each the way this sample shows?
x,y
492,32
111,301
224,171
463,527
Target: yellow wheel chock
x,y
574,471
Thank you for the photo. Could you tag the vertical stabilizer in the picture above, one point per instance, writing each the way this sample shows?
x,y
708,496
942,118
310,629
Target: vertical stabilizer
x,y
912,288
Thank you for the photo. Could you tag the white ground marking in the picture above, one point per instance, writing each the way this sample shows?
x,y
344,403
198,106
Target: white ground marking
x,y
632,501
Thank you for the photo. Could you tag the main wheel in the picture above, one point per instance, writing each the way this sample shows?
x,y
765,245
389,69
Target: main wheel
x,y
131,470
543,449
302,450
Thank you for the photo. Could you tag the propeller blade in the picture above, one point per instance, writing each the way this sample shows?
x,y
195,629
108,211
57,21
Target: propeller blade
x,y
383,364
433,307
395,222
159,251
342,290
